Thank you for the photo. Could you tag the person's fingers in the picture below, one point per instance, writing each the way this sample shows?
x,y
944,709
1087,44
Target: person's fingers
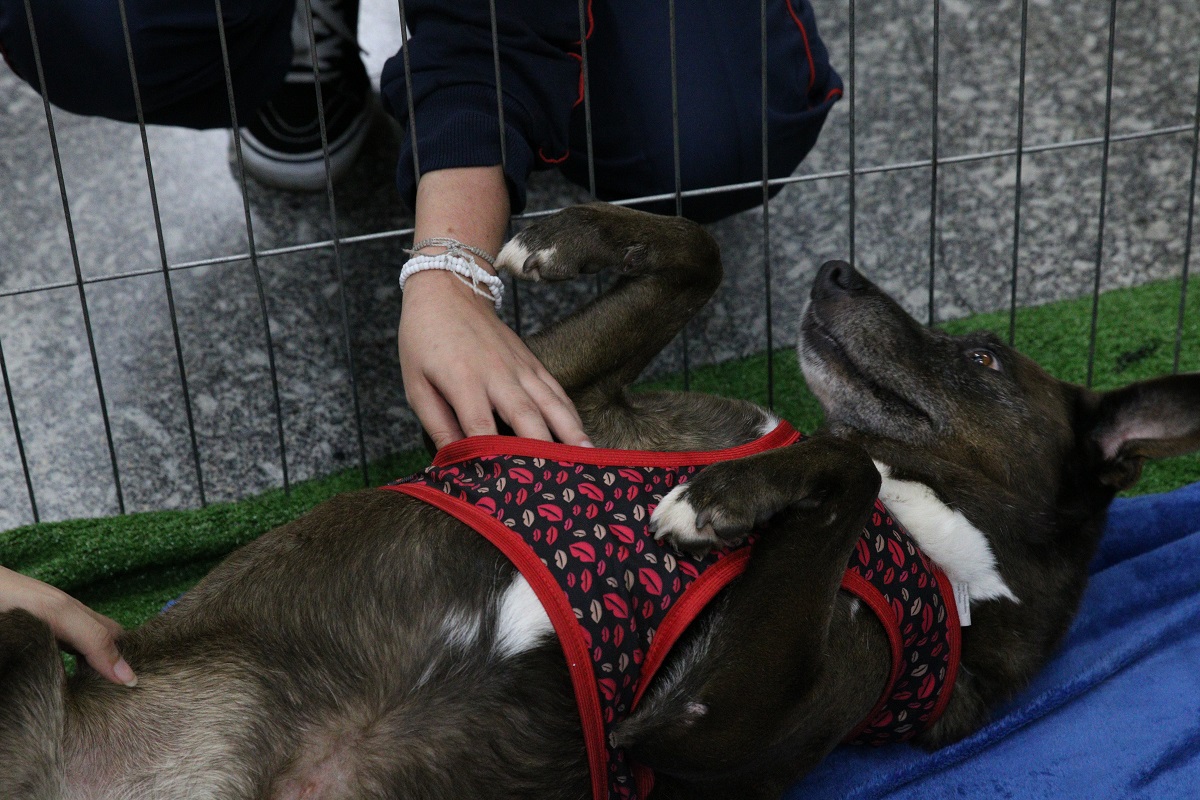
x,y
76,626
558,412
73,624
113,627
559,392
436,416
472,407
520,411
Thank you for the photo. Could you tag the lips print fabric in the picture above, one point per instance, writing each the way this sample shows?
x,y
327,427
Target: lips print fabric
x,y
913,600
574,521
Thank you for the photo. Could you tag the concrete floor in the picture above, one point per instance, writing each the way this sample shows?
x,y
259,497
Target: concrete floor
x,y
222,336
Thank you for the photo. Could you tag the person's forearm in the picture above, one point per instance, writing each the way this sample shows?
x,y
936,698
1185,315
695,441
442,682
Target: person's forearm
x,y
462,366
469,204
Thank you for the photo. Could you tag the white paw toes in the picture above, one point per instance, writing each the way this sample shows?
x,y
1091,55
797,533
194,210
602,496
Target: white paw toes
x,y
675,520
512,258
517,260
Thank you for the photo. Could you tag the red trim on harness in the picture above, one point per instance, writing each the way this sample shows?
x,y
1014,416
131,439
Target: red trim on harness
x,y
684,613
954,635
557,607
812,69
864,590
861,588
479,446
643,776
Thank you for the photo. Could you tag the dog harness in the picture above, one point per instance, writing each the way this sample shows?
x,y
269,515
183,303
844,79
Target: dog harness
x,y
574,522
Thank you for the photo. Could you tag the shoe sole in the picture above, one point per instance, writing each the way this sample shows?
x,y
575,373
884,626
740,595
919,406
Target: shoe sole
x,y
306,172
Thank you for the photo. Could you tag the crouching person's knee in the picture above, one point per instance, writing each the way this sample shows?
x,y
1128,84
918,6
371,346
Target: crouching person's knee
x,y
81,48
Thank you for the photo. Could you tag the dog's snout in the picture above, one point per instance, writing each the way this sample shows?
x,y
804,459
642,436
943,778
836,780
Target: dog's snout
x,y
837,277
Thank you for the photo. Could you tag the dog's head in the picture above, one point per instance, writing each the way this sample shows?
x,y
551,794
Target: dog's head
x,y
977,404
1008,471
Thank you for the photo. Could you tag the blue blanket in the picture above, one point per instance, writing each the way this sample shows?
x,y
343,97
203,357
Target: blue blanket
x,y
1115,714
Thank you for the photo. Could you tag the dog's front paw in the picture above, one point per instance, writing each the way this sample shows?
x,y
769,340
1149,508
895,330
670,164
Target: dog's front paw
x,y
580,240
694,526
676,522
517,259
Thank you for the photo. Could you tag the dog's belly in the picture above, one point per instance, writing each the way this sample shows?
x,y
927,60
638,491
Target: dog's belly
x,y
396,655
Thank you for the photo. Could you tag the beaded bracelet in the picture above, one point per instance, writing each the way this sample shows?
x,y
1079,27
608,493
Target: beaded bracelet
x,y
457,259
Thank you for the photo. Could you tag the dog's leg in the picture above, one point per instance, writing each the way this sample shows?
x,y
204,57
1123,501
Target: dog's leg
x,y
31,708
767,649
668,269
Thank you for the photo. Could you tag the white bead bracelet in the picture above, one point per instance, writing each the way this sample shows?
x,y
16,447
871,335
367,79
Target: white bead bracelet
x,y
458,260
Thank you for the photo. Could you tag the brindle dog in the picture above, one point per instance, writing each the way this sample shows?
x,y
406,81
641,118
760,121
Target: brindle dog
x,y
326,658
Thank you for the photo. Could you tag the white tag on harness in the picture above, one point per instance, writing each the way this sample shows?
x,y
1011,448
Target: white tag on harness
x,y
962,599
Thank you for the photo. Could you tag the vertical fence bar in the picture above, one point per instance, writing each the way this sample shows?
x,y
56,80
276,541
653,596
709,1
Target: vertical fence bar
x,y
251,248
412,115
1187,242
675,111
933,166
499,84
766,212
162,252
12,413
337,252
687,367
87,321
851,90
516,296
1016,254
585,30
1112,39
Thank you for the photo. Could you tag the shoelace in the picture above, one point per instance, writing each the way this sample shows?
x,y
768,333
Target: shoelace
x,y
331,34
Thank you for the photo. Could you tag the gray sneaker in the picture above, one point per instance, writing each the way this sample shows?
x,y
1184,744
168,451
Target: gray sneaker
x,y
281,142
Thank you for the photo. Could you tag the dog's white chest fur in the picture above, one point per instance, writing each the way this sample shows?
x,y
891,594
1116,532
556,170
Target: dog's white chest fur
x,y
947,537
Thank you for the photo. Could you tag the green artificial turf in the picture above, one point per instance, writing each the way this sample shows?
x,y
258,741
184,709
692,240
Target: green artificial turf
x,y
128,567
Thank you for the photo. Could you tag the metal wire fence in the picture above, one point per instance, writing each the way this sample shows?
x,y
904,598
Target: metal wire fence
x,y
851,178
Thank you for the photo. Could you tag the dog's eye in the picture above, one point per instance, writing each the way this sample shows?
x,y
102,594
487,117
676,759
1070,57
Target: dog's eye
x,y
985,358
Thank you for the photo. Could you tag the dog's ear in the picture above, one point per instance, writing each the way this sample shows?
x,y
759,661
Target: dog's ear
x,y
1151,419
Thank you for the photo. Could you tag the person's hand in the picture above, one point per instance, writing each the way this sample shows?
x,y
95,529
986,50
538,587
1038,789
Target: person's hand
x,y
75,625
461,362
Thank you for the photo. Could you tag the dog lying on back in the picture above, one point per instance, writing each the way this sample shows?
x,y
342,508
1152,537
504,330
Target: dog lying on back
x,y
378,648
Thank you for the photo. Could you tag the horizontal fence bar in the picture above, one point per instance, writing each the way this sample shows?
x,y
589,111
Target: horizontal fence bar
x,y
400,233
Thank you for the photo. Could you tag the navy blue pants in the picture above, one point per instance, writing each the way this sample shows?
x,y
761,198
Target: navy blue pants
x,y
176,49
182,82
719,99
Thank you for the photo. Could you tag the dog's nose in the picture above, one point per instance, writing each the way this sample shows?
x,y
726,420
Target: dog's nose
x,y
837,277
